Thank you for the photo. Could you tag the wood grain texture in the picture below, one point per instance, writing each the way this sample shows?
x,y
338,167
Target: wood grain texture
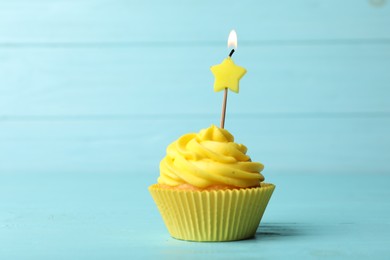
x,y
294,145
106,216
177,80
44,21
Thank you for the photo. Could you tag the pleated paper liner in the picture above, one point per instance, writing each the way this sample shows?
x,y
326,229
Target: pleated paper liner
x,y
220,215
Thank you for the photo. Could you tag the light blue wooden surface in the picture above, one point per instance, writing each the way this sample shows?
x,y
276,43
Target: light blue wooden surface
x,y
92,92
112,216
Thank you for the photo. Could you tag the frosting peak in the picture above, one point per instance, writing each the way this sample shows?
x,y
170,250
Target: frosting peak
x,y
210,157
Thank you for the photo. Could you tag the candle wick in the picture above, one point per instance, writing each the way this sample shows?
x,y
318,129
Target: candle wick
x,y
231,53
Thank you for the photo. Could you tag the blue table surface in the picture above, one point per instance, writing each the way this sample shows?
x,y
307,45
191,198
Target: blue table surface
x,y
112,216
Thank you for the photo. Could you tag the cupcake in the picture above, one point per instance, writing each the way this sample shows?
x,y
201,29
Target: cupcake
x,y
209,189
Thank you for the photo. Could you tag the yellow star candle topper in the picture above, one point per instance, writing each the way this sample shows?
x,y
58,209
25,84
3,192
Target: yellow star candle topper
x,y
227,75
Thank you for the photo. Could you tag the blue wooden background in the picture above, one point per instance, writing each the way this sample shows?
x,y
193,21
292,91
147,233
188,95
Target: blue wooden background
x,y
96,90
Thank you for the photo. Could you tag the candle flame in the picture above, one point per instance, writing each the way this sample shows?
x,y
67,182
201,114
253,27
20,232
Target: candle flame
x,y
232,40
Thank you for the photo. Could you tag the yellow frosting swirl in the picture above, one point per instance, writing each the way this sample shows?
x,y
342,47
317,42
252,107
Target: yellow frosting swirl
x,y
207,158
